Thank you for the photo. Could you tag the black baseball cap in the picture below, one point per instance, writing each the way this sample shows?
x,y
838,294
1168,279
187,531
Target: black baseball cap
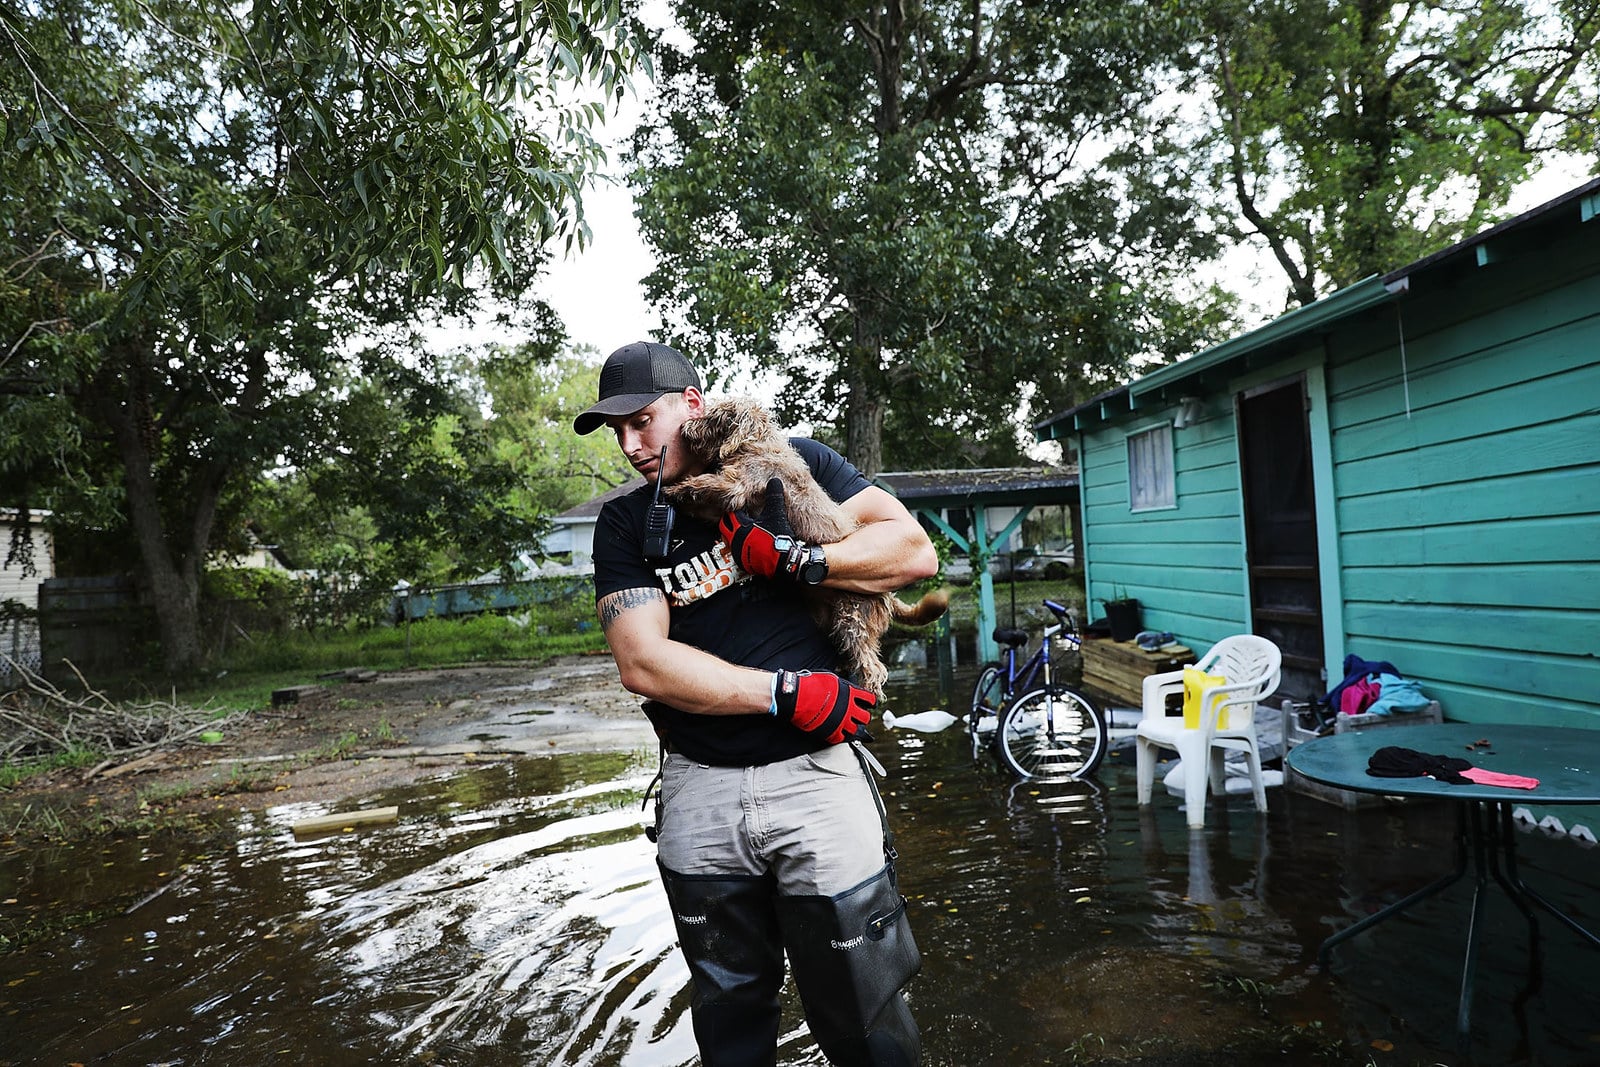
x,y
633,377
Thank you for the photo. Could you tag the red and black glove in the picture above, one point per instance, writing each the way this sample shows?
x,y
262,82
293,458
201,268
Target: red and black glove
x,y
767,547
824,704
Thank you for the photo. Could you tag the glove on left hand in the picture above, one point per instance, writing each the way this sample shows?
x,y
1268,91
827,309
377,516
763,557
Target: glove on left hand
x,y
768,548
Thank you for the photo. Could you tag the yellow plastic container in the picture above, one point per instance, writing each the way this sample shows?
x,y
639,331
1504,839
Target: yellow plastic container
x,y
1195,684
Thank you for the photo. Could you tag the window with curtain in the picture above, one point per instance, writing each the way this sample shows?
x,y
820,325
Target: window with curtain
x,y
1151,483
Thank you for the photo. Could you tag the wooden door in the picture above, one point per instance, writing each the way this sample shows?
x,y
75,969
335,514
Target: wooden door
x,y
1281,531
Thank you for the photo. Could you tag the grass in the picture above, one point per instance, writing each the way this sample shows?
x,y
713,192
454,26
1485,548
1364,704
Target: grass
x,y
75,758
1030,612
43,821
343,746
246,677
165,793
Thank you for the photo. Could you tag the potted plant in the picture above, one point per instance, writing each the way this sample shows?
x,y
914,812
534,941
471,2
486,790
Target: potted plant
x,y
1122,614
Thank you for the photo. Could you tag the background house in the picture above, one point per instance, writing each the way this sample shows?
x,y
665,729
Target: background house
x,y
19,631
572,531
1406,470
259,554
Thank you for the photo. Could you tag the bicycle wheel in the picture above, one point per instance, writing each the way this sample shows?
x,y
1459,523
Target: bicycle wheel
x,y
1053,733
988,696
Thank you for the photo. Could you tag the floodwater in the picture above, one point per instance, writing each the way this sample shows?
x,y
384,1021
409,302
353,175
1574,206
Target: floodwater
x,y
513,916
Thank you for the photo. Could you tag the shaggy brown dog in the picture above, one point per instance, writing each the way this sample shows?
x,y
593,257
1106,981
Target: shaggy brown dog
x,y
743,451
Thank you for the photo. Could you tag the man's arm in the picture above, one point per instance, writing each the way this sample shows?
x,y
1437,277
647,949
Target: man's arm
x,y
889,550
653,665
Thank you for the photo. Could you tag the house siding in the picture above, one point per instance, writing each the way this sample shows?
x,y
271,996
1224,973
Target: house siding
x,y
1469,525
19,635
14,584
1183,563
1460,429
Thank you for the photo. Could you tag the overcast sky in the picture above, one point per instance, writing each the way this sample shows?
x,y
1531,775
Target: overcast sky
x,y
597,292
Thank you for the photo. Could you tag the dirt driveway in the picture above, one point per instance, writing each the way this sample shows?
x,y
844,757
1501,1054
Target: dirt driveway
x,y
349,739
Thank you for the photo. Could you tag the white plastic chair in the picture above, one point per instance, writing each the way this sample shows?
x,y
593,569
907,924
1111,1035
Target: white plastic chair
x,y
1252,666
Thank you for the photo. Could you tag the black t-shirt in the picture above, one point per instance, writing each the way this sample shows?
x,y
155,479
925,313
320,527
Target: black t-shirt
x,y
716,606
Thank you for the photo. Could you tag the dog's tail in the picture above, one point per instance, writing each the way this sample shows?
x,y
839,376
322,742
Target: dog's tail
x,y
924,611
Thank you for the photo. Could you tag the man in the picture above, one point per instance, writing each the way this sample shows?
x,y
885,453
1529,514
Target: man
x,y
769,830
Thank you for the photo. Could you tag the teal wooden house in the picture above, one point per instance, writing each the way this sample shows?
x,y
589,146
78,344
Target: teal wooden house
x,y
1406,470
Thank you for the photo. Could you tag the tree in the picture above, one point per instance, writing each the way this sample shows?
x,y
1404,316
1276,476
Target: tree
x,y
935,217
1354,137
206,204
432,489
533,394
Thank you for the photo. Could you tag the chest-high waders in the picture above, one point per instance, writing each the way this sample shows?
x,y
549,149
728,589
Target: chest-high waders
x,y
852,953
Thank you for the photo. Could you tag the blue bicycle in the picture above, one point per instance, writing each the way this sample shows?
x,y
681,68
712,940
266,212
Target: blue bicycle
x,y
1040,727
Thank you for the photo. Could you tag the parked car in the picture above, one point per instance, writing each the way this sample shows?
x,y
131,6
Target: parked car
x,y
958,568
1044,563
1025,564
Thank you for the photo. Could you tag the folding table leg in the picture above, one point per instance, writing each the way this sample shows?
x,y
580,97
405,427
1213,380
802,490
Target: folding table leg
x,y
1405,902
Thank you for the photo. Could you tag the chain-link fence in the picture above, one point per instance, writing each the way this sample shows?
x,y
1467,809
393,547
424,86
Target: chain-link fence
x,y
19,645
108,623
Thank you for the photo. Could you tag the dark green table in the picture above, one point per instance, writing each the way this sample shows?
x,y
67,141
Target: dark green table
x,y
1565,760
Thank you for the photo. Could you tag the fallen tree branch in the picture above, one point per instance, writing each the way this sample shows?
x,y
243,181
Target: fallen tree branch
x,y
40,719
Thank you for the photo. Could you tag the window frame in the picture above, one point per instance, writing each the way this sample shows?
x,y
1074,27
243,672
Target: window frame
x,y
1143,458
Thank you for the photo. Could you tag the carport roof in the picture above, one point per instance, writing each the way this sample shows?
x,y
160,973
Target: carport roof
x,y
925,489
984,485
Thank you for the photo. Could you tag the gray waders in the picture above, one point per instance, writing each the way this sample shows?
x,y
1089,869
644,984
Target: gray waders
x,y
852,953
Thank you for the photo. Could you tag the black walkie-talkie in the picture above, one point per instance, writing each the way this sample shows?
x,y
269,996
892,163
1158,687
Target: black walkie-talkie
x,y
658,520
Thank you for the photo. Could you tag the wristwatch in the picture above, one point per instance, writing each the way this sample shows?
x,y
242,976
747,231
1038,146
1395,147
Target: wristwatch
x,y
806,564
815,567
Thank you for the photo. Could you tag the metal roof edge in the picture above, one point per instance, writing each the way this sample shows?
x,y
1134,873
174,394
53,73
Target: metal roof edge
x,y
1348,301
1585,198
1331,308
1044,429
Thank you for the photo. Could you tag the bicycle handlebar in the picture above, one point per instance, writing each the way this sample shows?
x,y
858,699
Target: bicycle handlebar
x,y
1067,630
1062,613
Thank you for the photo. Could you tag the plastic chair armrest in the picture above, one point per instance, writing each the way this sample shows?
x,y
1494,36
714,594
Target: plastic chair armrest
x,y
1219,697
1156,688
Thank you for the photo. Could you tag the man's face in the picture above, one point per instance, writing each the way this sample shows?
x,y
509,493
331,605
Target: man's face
x,y
642,434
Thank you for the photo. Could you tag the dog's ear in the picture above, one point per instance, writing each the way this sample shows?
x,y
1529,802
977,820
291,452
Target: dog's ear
x,y
704,436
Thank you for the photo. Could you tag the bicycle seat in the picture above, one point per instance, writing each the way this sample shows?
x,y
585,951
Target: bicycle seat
x,y
1011,638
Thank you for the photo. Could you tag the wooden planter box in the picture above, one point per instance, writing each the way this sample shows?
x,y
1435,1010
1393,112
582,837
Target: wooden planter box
x,y
1118,668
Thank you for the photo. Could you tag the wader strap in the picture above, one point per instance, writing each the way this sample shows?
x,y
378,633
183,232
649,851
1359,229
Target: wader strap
x,y
868,764
653,831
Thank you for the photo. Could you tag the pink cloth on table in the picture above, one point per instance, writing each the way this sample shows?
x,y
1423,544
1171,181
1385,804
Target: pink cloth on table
x,y
1510,781
1359,696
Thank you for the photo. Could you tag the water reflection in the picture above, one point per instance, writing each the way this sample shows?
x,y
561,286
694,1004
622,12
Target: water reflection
x,y
557,932
514,915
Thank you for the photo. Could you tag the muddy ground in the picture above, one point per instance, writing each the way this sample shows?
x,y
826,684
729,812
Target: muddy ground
x,y
348,739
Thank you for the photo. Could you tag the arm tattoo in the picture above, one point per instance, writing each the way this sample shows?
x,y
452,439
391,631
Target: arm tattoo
x,y
614,604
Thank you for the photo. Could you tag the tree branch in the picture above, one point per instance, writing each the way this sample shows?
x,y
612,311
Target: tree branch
x,y
1299,281
277,122
943,99
107,157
